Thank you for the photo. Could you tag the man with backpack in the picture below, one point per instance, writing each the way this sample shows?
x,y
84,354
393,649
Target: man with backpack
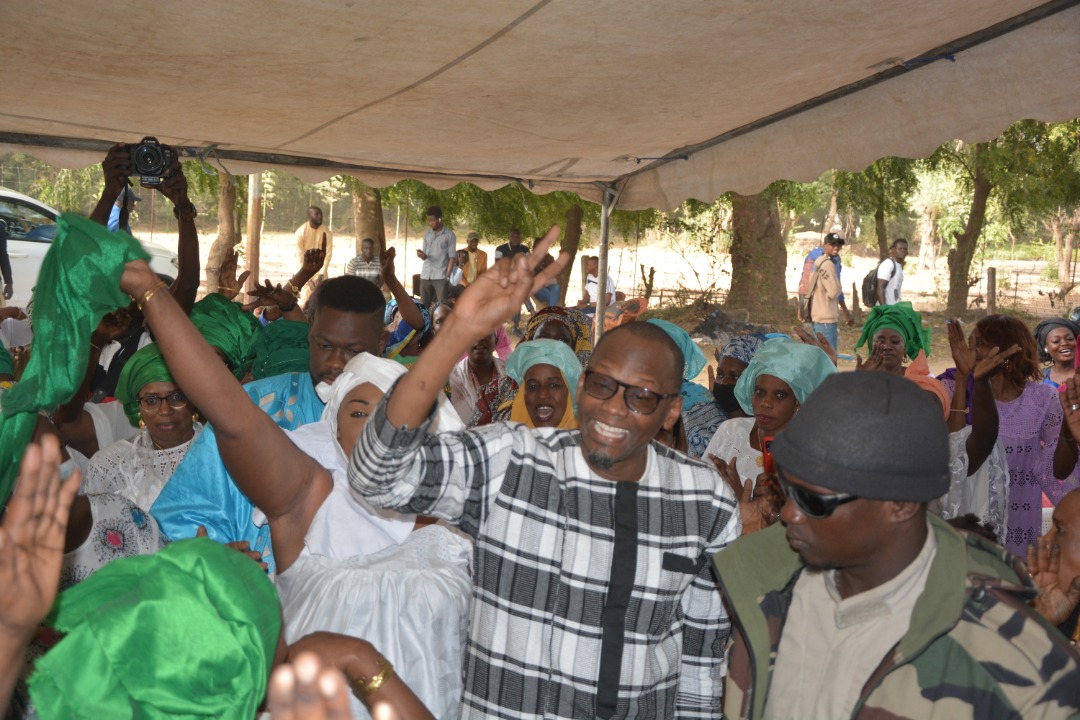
x,y
821,291
890,273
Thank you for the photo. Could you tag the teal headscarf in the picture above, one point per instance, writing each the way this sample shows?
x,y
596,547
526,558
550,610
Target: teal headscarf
x,y
144,367
281,347
693,363
802,367
78,284
189,632
902,318
227,327
545,352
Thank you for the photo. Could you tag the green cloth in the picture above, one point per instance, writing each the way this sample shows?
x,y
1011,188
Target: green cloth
x,y
802,367
189,632
145,367
281,347
78,283
228,328
902,318
545,352
7,365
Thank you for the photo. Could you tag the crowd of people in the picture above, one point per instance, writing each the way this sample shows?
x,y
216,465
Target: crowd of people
x,y
370,504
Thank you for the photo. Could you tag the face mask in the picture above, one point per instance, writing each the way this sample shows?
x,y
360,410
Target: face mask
x,y
724,395
66,468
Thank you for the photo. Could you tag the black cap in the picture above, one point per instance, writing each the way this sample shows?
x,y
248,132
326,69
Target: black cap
x,y
870,434
833,239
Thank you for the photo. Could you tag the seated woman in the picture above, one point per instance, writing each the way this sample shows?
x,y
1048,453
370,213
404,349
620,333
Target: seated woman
x,y
1056,342
139,467
780,377
893,331
547,372
472,373
341,566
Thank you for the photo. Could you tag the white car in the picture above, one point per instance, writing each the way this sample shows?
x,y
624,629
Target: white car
x,y
31,228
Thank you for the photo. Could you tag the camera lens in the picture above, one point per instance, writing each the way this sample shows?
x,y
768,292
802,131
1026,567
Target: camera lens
x,y
148,160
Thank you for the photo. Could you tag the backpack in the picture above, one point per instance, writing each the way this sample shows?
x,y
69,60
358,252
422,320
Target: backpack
x,y
869,285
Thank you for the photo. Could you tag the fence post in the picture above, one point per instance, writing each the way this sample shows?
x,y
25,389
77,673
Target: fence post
x,y
991,291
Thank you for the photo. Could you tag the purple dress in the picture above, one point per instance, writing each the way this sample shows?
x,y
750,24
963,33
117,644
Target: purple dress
x,y
1028,428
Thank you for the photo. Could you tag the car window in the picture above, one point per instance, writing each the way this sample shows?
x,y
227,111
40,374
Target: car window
x,y
25,222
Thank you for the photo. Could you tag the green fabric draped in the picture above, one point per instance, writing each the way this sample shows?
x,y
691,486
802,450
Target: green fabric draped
x,y
78,283
144,367
228,328
902,318
7,365
281,347
189,632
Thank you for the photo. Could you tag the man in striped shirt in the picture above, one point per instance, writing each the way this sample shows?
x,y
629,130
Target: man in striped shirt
x,y
592,592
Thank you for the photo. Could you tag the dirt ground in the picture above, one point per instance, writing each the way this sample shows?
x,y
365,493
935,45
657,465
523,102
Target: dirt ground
x,y
674,269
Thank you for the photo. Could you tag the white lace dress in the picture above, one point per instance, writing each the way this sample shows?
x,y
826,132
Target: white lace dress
x,y
134,468
984,493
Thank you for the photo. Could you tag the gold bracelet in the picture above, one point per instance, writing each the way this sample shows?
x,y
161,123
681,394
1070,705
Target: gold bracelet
x,y
292,288
149,294
366,687
958,410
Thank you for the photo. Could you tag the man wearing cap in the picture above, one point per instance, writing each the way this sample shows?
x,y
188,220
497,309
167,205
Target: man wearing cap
x,y
826,289
860,605
120,215
477,259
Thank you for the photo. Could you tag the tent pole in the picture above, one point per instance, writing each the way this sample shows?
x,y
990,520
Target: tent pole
x,y
606,207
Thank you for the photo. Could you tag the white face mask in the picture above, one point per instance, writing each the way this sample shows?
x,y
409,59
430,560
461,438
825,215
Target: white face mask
x,y
66,468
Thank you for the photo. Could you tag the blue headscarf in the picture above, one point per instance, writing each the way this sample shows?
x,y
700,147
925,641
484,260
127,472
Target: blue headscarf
x,y
545,352
802,367
743,347
693,363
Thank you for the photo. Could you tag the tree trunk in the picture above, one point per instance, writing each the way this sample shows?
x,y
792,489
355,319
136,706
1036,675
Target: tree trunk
x,y
1053,224
758,258
928,240
882,233
569,244
961,256
368,217
830,217
227,236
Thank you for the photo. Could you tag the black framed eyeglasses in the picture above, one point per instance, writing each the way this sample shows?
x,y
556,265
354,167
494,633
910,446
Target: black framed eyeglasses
x,y
642,401
152,403
811,503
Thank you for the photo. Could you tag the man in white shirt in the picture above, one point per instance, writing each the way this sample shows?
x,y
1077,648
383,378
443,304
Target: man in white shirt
x,y
890,273
438,257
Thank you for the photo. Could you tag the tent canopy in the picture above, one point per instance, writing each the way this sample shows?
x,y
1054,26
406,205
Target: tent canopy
x,y
663,100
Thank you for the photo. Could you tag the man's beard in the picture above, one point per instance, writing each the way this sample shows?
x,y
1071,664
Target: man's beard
x,y
599,460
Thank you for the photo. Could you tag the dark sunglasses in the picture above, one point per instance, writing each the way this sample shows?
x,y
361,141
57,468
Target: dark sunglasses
x,y
811,503
638,399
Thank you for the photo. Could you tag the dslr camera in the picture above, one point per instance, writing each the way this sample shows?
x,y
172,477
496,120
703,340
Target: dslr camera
x,y
149,161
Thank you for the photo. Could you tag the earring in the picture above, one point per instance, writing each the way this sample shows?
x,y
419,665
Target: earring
x,y
141,423
195,416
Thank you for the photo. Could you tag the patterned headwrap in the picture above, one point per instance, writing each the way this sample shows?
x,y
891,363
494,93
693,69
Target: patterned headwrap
x,y
228,328
189,632
742,347
802,367
1043,329
575,321
544,352
404,333
281,347
902,318
145,367
693,363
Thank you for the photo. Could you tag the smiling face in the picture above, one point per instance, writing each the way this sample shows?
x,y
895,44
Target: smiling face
x,y
1061,346
890,344
168,427
546,395
336,336
774,404
353,414
614,439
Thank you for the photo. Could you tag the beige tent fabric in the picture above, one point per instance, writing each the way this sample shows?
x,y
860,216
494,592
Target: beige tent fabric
x,y
555,93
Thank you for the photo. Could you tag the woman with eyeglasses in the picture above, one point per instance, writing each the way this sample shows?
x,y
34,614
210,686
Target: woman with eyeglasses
x,y
139,467
780,377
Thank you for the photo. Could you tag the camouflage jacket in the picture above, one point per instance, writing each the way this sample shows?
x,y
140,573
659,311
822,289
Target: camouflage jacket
x,y
975,649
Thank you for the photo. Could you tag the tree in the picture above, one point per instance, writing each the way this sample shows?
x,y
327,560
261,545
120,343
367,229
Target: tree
x,y
883,190
758,254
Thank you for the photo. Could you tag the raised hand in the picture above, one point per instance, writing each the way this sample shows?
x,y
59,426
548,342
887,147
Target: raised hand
x,y
817,340
229,284
963,351
314,259
497,294
174,185
1069,395
993,362
117,169
1054,602
872,363
305,689
32,538
386,262
270,294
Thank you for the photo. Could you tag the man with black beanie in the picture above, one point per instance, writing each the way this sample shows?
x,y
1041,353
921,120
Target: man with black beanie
x,y
860,604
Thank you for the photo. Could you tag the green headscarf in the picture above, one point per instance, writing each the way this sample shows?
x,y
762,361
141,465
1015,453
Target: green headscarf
x,y
144,367
281,347
189,632
228,328
802,367
78,283
902,318
545,352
